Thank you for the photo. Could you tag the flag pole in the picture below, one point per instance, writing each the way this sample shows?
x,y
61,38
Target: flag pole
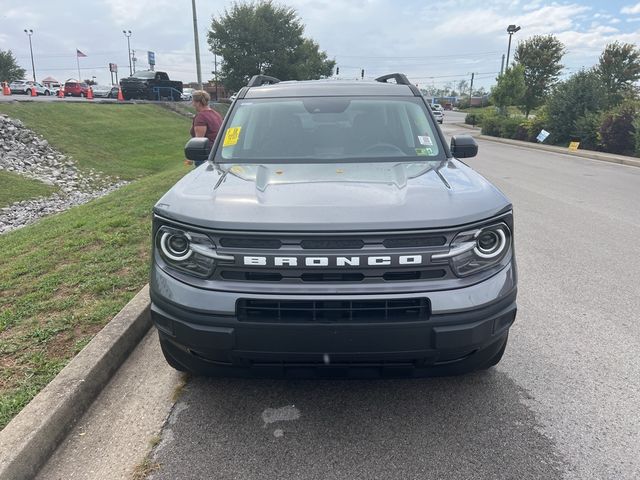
x,y
78,61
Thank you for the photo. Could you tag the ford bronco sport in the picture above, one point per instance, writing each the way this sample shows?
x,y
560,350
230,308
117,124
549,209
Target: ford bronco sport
x,y
332,231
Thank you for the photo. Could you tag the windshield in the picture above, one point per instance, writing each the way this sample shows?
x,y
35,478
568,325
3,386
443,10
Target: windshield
x,y
144,75
321,129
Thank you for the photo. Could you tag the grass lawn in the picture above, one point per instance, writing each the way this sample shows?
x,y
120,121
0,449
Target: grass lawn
x,y
63,278
15,188
128,141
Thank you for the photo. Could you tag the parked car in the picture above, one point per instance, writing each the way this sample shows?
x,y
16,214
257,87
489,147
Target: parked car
x,y
436,106
26,86
439,114
105,91
54,88
337,233
73,88
187,94
151,85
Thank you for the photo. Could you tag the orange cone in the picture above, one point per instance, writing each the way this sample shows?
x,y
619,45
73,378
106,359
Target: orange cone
x,y
61,92
120,96
34,92
90,94
5,89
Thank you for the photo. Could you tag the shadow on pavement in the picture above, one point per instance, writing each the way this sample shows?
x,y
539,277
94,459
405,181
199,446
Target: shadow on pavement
x,y
474,426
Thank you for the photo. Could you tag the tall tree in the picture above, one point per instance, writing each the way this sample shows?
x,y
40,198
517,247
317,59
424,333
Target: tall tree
x,y
9,68
265,38
510,88
619,68
572,106
540,56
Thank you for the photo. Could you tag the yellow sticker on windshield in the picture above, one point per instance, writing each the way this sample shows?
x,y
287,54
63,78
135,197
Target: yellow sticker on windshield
x,y
231,137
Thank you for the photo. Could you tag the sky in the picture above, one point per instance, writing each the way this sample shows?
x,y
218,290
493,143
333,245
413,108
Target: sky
x,y
433,43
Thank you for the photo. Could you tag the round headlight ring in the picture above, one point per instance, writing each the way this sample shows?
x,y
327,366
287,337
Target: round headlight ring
x,y
168,249
495,251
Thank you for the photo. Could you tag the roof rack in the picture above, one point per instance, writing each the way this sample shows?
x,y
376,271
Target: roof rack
x,y
259,80
400,78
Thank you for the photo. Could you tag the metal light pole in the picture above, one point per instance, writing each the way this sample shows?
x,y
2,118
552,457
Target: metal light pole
x,y
511,29
195,39
33,67
127,33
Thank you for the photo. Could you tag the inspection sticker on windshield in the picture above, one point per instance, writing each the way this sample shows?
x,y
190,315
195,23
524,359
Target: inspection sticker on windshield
x,y
425,140
231,137
424,152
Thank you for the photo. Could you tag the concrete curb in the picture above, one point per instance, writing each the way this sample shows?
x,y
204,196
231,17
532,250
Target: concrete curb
x,y
603,157
33,435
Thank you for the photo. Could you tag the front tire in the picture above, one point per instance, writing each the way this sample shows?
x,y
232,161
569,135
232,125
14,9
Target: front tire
x,y
493,361
28,92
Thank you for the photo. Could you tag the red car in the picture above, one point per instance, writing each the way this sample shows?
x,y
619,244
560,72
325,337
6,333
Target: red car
x,y
75,89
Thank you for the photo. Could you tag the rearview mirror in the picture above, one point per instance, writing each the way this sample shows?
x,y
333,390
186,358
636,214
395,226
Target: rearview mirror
x,y
463,146
197,149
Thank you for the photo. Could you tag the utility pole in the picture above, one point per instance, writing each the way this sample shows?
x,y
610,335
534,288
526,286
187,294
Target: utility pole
x,y
127,33
33,67
471,89
195,39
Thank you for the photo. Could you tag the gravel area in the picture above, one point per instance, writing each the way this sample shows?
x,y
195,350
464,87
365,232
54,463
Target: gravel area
x,y
25,153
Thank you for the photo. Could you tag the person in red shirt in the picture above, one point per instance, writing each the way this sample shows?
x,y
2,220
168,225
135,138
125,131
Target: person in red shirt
x,y
207,121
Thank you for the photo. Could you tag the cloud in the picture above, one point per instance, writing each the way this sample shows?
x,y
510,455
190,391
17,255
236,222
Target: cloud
x,y
631,9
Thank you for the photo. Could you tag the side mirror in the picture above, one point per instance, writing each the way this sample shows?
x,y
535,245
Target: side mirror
x,y
197,149
463,146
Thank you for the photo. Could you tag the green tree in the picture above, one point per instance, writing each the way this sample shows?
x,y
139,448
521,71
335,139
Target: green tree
x,y
619,68
540,56
9,68
265,38
572,105
510,88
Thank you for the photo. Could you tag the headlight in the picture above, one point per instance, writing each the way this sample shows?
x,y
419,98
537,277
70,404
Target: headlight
x,y
190,252
477,250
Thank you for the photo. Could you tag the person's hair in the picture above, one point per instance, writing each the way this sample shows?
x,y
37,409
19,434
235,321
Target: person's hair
x,y
201,97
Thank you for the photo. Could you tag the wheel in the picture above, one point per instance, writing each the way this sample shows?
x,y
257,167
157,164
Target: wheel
x,y
47,93
28,92
173,363
81,94
493,361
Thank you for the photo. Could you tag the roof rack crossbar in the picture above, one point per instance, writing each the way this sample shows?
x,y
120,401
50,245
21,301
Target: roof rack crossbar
x,y
258,80
400,78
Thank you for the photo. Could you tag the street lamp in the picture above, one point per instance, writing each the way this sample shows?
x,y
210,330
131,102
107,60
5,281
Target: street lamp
x,y
511,29
127,33
29,33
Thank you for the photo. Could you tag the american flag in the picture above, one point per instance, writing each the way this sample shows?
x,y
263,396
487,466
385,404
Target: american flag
x,y
79,54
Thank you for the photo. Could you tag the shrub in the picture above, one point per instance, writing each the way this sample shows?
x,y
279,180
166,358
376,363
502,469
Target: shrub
x,y
491,125
522,132
636,125
536,124
509,126
587,130
472,118
617,132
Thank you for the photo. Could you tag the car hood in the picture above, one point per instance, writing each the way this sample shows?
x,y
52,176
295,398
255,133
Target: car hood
x,y
332,197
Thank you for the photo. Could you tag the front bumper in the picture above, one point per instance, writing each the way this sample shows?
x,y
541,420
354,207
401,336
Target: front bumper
x,y
200,330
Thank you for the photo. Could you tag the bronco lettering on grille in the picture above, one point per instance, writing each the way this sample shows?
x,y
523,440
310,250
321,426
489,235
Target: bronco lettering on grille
x,y
382,260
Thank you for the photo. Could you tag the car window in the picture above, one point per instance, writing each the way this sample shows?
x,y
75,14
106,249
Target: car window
x,y
317,128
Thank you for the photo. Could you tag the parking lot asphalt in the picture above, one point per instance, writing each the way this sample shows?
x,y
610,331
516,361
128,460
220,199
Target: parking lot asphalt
x,y
563,403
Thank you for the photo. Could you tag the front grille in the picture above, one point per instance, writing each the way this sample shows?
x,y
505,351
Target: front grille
x,y
333,311
408,242
331,244
267,243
